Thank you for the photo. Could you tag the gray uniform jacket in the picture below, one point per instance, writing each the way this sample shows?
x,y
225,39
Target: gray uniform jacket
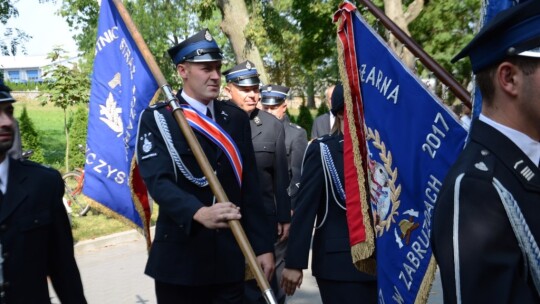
x,y
268,136
295,144
321,126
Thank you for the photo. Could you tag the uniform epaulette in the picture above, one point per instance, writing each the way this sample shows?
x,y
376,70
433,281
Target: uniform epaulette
x,y
29,163
324,138
158,105
295,126
484,163
228,102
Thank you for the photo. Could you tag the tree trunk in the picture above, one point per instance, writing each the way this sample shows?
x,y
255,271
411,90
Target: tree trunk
x,y
66,131
235,20
394,10
310,93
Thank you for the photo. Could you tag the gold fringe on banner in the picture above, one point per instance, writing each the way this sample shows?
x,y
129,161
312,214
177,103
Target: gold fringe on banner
x,y
362,253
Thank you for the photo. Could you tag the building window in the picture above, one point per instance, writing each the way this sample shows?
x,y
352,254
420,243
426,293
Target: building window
x,y
32,75
14,76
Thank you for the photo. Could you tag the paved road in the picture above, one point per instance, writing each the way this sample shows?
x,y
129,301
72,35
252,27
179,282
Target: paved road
x,y
112,272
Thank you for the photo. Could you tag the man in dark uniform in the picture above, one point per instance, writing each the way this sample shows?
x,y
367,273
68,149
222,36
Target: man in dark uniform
x,y
322,124
273,101
486,226
35,235
321,201
193,258
268,138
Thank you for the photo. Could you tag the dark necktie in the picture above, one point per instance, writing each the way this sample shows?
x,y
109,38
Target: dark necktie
x,y
209,113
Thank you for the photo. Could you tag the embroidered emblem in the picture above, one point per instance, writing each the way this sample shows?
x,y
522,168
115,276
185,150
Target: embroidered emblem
x,y
248,66
481,166
147,144
384,193
208,36
110,115
406,226
269,89
257,120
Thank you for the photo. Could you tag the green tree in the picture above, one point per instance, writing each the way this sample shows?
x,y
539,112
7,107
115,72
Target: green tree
x,y
13,40
323,108
69,86
30,137
443,29
304,119
77,134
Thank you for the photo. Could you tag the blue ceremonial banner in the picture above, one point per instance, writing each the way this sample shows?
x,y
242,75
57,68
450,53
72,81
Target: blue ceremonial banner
x,y
122,86
412,140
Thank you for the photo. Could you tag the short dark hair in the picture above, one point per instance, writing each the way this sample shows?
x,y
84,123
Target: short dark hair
x,y
484,78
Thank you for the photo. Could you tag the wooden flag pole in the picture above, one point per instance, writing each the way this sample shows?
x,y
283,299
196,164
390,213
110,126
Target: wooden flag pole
x,y
417,50
213,181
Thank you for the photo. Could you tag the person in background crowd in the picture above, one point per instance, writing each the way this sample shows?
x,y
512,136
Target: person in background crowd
x,y
194,257
466,117
321,196
35,234
274,102
323,124
268,137
486,225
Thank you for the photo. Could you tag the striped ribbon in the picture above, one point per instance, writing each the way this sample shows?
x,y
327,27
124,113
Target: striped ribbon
x,y
217,135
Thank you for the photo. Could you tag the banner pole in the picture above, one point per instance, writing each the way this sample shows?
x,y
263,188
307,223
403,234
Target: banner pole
x,y
417,50
195,146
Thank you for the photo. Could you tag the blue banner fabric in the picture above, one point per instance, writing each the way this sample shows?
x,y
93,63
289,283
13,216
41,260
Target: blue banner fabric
x,y
122,86
412,141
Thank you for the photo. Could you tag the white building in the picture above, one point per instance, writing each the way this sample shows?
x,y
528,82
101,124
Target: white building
x,y
22,69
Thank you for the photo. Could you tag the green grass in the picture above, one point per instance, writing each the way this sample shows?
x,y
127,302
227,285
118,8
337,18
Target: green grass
x,y
49,121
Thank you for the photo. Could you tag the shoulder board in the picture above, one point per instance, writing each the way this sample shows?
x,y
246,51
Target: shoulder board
x,y
295,126
29,163
324,138
229,103
158,105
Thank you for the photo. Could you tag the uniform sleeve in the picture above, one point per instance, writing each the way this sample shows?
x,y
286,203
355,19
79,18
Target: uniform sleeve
x,y
254,219
309,196
474,244
281,178
314,129
63,270
298,149
158,172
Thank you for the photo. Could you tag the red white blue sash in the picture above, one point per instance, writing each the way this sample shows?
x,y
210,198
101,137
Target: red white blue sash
x,y
217,135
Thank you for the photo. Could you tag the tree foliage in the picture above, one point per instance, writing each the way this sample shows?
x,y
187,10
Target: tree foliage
x,y
304,119
69,86
13,40
30,137
77,136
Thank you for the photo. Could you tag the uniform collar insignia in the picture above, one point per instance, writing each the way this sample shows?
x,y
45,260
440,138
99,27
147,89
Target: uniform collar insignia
x,y
481,166
257,120
208,36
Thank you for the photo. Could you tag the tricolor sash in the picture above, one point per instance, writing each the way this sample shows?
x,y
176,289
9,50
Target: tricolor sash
x,y
217,135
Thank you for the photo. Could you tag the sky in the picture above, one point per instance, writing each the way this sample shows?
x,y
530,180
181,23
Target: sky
x,y
46,28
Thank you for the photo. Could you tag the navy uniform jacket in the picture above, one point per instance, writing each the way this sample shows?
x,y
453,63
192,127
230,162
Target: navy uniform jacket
x,y
295,144
321,126
184,252
36,237
331,258
491,265
268,136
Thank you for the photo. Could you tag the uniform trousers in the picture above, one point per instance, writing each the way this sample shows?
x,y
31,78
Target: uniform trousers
x,y
230,293
345,292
